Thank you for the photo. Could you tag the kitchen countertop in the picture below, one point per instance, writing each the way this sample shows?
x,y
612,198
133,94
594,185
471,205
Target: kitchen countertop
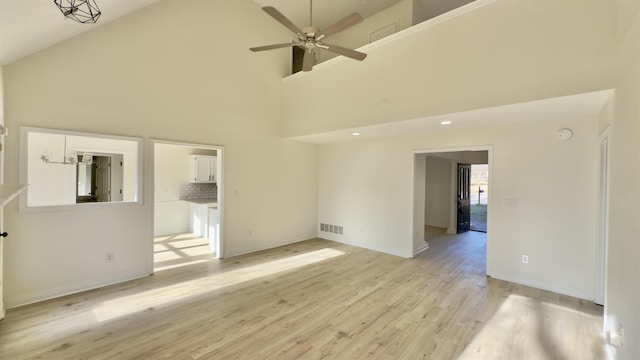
x,y
211,202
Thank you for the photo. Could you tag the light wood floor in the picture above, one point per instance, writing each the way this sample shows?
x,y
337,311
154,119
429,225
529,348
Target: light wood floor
x,y
312,300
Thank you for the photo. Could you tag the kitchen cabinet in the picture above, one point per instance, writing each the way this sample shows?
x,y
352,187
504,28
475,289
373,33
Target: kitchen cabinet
x,y
213,232
203,168
204,221
198,218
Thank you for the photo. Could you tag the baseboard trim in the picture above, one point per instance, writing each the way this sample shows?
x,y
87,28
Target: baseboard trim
x,y
330,237
422,248
284,243
564,290
53,293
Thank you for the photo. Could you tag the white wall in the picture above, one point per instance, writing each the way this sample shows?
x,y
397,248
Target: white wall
x,y
623,288
49,184
358,35
172,168
367,186
438,192
1,209
170,217
171,71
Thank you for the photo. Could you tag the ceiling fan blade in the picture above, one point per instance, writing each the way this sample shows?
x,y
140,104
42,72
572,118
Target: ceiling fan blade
x,y
283,20
274,46
307,61
356,55
342,24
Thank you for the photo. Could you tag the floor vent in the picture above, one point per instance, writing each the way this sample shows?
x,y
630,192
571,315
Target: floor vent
x,y
331,228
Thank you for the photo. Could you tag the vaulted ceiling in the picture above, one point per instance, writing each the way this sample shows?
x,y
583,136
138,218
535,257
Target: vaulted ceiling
x,y
27,26
325,12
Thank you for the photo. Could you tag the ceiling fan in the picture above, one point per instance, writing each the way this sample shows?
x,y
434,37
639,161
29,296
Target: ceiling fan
x,y
311,38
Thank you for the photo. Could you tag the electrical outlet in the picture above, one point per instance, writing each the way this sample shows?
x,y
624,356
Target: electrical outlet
x,y
108,257
525,259
620,334
616,338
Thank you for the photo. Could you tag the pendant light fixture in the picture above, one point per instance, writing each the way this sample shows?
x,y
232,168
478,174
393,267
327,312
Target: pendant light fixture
x,y
83,11
69,158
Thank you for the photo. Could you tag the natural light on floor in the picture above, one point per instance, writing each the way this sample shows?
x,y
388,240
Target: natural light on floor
x,y
541,323
180,250
170,294
181,264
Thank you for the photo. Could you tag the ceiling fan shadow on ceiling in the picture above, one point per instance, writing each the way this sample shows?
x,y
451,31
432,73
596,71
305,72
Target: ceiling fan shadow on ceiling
x,y
311,38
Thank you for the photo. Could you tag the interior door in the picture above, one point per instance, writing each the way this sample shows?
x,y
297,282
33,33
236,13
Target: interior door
x,y
464,198
116,177
103,178
1,260
2,239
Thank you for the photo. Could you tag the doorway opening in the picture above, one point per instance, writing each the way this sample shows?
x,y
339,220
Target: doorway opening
x,y
451,193
99,178
479,183
187,204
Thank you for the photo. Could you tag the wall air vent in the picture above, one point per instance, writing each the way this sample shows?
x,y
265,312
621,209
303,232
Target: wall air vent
x,y
331,228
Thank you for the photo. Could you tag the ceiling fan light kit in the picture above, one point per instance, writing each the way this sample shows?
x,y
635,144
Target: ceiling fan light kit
x,y
82,11
311,38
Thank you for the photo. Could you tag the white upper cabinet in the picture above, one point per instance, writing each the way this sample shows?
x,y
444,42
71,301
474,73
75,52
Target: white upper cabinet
x,y
203,169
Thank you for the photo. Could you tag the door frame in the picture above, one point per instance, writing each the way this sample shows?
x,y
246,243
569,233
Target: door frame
x,y
418,203
602,236
2,239
220,183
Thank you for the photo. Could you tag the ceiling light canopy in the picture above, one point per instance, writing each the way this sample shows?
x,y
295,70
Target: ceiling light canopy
x,y
83,11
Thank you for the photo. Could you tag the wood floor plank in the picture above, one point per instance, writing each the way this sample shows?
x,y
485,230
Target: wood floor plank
x,y
312,300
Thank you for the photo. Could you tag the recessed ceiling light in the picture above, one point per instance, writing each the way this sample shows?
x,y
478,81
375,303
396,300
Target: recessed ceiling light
x,y
355,134
447,122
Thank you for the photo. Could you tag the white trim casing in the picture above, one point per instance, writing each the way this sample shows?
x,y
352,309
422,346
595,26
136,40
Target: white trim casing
x,y
220,182
489,150
603,218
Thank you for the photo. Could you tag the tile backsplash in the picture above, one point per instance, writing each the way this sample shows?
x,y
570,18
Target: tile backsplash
x,y
194,191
